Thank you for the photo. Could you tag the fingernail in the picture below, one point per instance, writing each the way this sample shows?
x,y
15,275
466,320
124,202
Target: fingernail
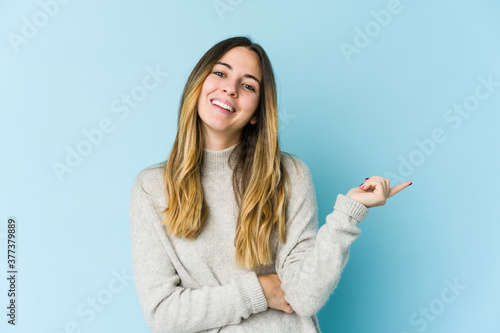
x,y
361,184
367,178
410,183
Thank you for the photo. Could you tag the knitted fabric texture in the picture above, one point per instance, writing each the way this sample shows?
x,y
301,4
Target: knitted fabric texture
x,y
194,285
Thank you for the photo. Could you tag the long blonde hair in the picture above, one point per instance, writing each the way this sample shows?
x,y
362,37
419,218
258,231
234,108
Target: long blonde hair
x,y
260,182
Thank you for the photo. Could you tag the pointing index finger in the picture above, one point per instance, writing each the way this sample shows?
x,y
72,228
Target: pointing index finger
x,y
398,188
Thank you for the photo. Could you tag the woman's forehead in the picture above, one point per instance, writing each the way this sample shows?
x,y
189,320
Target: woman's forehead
x,y
242,59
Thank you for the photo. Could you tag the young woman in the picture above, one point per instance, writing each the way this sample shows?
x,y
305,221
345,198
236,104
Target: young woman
x,y
225,232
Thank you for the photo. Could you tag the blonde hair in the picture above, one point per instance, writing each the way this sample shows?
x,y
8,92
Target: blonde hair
x,y
260,182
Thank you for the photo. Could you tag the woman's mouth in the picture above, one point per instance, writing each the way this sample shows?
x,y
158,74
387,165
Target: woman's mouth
x,y
221,106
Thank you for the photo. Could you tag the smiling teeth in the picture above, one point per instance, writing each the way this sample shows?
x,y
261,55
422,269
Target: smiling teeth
x,y
222,105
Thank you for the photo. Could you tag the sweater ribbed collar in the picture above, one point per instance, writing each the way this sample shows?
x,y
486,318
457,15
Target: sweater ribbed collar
x,y
217,160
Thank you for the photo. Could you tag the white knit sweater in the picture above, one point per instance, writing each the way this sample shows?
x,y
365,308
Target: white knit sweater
x,y
195,286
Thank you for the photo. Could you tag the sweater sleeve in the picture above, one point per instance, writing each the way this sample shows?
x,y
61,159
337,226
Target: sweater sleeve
x,y
167,306
311,261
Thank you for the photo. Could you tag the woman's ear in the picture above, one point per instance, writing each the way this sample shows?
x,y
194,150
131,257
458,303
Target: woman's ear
x,y
253,121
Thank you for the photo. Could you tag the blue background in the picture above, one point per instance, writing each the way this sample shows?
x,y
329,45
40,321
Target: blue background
x,y
371,110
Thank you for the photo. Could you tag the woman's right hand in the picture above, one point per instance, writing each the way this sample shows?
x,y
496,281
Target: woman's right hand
x,y
271,285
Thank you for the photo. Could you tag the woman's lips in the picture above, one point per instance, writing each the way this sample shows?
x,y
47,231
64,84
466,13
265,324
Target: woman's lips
x,y
223,101
220,109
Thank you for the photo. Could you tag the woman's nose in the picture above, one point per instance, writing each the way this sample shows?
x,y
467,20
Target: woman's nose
x,y
230,87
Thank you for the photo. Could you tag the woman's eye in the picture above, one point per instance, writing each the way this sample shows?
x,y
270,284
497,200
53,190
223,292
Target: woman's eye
x,y
249,87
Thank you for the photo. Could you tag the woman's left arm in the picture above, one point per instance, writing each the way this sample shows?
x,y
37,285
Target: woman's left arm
x,y
311,261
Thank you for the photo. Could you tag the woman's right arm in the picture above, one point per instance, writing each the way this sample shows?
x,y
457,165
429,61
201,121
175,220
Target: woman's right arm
x,y
166,306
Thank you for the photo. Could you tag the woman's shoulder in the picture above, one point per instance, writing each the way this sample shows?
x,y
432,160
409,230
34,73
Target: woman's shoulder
x,y
150,179
295,167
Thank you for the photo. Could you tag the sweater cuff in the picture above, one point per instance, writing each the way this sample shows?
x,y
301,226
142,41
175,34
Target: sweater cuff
x,y
251,290
351,207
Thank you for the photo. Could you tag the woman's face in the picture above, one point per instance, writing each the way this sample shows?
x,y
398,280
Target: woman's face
x,y
234,82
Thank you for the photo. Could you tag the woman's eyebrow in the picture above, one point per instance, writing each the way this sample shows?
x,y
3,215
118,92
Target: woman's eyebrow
x,y
231,68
